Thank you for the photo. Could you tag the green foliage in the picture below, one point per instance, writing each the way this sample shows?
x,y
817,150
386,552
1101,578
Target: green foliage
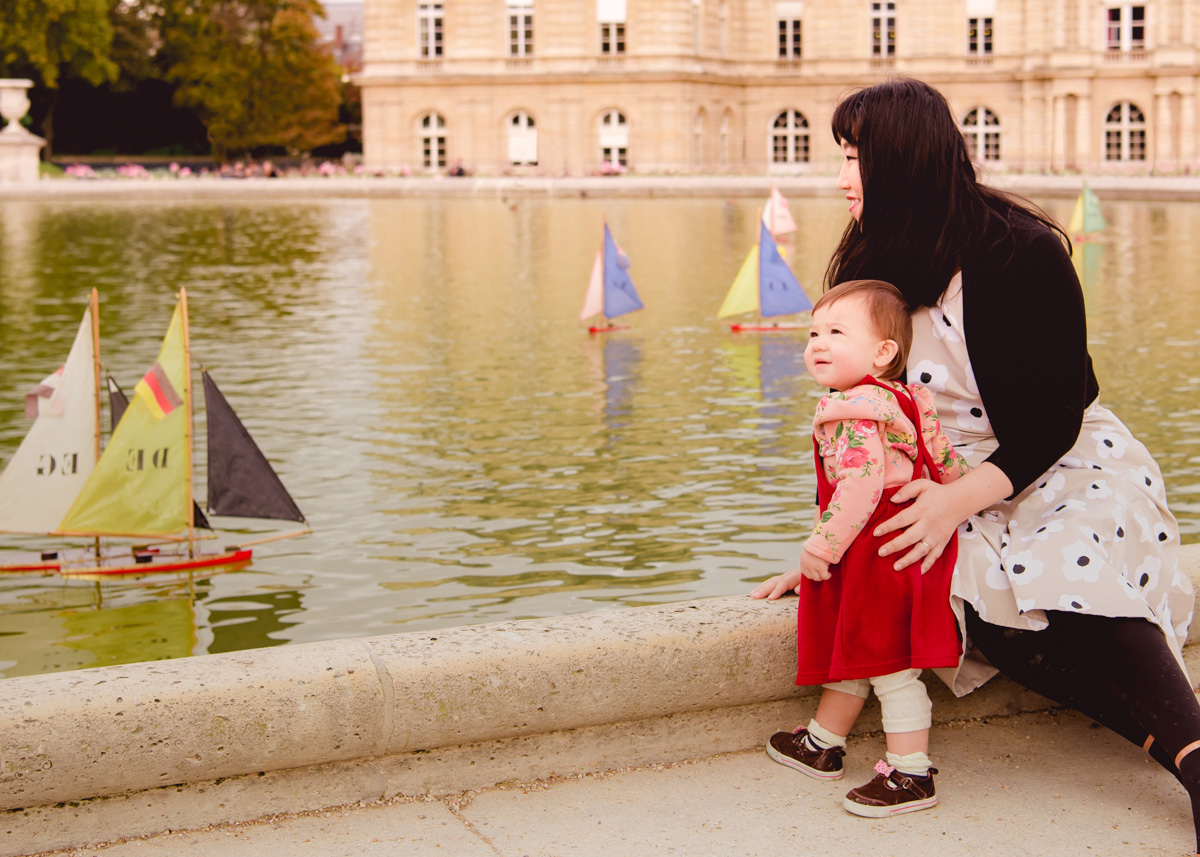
x,y
46,39
254,71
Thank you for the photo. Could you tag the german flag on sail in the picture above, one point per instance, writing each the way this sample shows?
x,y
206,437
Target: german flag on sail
x,y
157,391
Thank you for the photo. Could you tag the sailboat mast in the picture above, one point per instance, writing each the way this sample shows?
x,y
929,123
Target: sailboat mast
x,y
758,273
187,423
96,380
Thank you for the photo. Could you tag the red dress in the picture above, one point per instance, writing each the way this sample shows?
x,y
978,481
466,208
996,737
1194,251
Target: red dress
x,y
868,619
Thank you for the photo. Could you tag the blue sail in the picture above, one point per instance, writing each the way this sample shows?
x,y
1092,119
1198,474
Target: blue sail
x,y
620,296
779,292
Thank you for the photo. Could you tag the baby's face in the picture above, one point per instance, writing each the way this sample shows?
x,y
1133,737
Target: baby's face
x,y
843,344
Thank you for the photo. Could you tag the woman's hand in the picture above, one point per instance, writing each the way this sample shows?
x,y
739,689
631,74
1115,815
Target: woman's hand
x,y
928,524
936,511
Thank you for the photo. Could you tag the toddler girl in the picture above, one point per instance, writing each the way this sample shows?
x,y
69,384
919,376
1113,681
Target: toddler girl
x,y
861,623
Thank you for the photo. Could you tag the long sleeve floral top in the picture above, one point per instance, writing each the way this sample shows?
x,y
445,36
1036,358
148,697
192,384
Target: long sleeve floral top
x,y
867,444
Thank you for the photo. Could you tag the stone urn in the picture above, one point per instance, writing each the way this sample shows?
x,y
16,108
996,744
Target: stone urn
x,y
18,148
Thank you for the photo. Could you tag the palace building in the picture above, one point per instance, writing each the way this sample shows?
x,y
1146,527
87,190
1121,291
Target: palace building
x,y
577,87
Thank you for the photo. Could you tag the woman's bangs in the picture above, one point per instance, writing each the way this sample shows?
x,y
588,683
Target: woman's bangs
x,y
847,119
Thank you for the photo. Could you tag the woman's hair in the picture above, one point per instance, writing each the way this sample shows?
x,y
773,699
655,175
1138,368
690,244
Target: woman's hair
x,y
889,316
922,205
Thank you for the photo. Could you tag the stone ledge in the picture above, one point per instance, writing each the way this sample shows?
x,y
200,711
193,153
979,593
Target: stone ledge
x,y
166,191
96,754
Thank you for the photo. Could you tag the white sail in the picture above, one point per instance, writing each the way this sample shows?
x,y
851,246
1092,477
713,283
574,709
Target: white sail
x,y
55,459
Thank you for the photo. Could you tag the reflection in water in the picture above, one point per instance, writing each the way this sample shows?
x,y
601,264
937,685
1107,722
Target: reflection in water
x,y
416,372
1086,258
614,360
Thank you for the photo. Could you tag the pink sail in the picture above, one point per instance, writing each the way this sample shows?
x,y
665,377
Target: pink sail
x,y
777,216
593,301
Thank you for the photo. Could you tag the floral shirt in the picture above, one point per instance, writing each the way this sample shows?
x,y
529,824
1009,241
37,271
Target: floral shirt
x,y
867,444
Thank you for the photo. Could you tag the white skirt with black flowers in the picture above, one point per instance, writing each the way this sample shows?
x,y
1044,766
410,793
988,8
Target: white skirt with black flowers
x,y
1093,535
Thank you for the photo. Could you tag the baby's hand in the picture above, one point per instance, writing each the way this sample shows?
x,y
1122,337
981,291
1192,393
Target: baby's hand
x,y
780,584
813,567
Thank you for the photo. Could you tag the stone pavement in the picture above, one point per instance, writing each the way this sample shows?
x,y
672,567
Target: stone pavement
x,y
1045,784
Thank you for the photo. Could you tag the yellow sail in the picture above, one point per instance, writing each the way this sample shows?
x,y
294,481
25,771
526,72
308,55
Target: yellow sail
x,y
140,486
743,294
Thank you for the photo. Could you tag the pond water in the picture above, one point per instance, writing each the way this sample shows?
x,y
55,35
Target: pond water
x,y
464,450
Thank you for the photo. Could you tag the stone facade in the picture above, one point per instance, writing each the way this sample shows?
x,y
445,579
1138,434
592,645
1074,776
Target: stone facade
x,y
574,87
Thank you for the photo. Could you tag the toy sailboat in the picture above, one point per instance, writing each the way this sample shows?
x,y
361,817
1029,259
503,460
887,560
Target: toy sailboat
x,y
1086,219
140,488
777,216
766,285
611,292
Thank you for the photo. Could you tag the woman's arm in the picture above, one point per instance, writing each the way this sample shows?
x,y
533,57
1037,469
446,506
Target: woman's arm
x,y
1026,335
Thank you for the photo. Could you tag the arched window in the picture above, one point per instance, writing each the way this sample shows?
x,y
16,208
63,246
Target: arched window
x,y
614,138
1125,133
789,138
522,139
981,127
433,141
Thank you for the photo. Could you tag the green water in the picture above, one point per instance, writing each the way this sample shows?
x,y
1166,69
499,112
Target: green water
x,y
464,450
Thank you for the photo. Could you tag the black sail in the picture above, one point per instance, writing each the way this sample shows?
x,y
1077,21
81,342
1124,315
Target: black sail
x,y
117,403
241,482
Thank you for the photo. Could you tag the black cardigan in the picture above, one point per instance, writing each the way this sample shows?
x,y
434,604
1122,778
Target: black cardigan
x,y
1026,336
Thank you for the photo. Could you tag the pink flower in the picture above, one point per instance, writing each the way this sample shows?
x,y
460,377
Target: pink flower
x,y
854,457
866,428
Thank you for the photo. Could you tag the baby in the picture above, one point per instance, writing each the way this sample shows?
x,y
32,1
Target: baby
x,y
862,623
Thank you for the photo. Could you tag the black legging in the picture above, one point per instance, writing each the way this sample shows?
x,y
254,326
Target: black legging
x,y
1118,671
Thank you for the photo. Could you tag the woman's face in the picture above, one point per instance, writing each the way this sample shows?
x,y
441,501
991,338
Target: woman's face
x,y
850,181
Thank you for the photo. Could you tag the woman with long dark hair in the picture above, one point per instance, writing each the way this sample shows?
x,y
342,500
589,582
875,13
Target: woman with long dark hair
x,y
1066,579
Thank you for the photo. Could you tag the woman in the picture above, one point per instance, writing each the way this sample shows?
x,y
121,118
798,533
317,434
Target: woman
x,y
1066,579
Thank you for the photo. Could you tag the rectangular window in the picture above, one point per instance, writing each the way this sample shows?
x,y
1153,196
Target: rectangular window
x,y
615,155
979,36
434,152
612,38
429,29
1137,144
1137,28
1125,28
991,147
883,29
520,32
789,39
1112,145
610,15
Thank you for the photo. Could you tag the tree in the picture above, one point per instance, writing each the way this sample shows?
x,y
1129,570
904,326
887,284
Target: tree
x,y
255,72
47,40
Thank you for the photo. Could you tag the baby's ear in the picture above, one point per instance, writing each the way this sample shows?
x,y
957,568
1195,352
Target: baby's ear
x,y
886,353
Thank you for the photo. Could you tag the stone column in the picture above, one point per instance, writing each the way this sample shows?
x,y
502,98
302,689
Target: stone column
x,y
1160,132
18,148
1058,141
1187,130
1083,133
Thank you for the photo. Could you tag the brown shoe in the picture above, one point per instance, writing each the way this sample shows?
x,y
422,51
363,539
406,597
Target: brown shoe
x,y
790,748
891,793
